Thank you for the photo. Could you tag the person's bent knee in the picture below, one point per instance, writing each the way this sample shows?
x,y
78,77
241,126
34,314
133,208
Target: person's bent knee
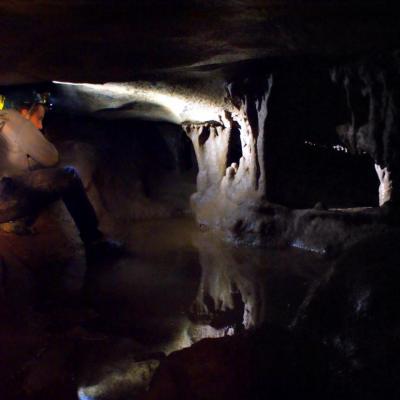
x,y
70,173
69,176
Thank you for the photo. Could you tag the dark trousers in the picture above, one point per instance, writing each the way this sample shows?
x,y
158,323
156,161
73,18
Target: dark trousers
x,y
28,194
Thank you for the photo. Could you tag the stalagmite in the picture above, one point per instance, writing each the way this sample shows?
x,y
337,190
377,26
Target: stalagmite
x,y
385,187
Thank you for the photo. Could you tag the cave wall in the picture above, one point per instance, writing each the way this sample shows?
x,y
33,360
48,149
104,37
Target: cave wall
x,y
131,169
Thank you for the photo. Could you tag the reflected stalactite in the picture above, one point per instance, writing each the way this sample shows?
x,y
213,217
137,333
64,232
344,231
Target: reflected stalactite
x,y
229,293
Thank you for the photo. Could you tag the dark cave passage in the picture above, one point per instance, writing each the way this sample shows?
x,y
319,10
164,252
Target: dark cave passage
x,y
199,201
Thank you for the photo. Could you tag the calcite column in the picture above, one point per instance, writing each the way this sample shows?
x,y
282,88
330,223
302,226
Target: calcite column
x,y
221,188
251,114
385,186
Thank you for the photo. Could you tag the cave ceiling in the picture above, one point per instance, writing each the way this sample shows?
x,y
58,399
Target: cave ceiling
x,y
196,43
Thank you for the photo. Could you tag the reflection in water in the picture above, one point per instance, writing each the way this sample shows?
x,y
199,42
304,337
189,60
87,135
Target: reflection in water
x,y
230,292
181,286
185,285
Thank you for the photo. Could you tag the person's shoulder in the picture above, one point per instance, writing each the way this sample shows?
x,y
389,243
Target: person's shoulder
x,y
11,113
3,114
13,123
6,115
12,118
3,118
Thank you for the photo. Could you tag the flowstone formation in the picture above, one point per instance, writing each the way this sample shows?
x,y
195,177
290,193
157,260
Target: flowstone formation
x,y
230,155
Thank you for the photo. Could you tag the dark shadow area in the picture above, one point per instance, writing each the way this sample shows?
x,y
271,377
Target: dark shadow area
x,y
234,146
305,107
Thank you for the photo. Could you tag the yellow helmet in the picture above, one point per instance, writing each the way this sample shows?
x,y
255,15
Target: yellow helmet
x,y
2,101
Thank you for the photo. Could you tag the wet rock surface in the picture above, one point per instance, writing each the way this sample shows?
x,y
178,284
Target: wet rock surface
x,y
353,312
328,232
267,364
